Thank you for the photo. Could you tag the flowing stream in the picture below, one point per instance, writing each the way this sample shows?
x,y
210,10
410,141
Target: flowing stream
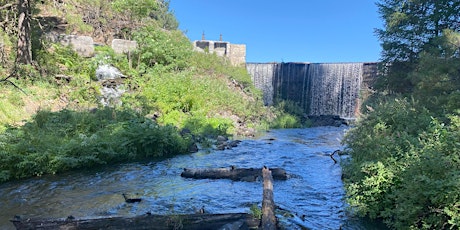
x,y
313,194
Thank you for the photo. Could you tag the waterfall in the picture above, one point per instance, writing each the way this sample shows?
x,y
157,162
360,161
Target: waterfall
x,y
319,88
262,77
112,89
335,89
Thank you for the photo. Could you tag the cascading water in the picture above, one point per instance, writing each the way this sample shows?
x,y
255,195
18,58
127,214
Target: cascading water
x,y
262,77
320,89
335,89
110,91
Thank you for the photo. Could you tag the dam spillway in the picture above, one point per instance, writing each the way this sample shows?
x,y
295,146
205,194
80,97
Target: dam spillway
x,y
318,88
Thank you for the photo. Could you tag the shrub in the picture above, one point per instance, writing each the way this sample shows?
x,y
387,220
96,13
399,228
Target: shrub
x,y
160,47
288,115
404,167
59,141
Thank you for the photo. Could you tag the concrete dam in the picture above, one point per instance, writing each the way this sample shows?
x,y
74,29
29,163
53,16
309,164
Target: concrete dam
x,y
318,88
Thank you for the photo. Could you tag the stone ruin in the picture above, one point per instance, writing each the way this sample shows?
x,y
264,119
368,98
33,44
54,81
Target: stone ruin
x,y
84,45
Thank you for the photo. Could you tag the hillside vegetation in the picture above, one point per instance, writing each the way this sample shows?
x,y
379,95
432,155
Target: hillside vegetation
x,y
51,119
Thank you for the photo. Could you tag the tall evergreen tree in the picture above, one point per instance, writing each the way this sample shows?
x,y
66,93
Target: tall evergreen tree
x,y
412,27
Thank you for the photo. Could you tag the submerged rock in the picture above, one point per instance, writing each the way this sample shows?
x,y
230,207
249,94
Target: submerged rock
x,y
327,120
228,144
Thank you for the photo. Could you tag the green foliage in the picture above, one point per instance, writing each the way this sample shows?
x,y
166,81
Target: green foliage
x,y
135,9
289,114
6,55
8,112
256,211
429,194
66,140
106,55
76,21
437,82
285,121
169,49
404,167
165,80
58,59
412,28
208,126
205,63
164,18
199,103
27,72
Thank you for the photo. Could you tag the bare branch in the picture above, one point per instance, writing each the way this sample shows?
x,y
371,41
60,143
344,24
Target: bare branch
x,y
332,155
6,79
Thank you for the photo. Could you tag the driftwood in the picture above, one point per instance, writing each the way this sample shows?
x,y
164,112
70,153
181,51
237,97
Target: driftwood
x,y
198,221
147,221
268,204
232,173
332,155
131,200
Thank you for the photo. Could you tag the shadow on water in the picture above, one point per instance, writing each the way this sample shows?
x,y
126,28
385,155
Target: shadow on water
x,y
312,198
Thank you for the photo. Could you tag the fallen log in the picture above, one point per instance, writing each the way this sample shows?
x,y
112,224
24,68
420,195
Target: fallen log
x,y
232,173
147,221
268,203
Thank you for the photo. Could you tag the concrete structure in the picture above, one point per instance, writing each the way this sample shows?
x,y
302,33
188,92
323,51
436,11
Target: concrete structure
x,y
236,53
83,45
123,46
336,89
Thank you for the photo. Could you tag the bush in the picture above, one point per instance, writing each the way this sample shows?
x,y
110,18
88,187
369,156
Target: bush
x,y
170,49
59,141
288,115
201,98
404,167
429,194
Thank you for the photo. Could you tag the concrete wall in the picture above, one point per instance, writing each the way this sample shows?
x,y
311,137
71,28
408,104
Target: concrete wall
x,y
123,46
84,45
236,53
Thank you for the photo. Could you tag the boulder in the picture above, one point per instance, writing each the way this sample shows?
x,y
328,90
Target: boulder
x,y
108,72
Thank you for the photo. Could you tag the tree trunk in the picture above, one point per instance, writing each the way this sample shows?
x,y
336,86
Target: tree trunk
x,y
155,222
24,49
232,173
268,203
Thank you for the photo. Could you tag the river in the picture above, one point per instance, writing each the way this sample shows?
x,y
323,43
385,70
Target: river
x,y
313,194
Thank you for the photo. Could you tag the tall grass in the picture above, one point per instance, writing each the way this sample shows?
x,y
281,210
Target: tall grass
x,y
53,142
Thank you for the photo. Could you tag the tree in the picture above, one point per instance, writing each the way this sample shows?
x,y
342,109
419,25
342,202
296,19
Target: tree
x,y
412,27
24,47
404,166
164,17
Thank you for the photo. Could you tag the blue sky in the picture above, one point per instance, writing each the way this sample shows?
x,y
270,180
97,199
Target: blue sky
x,y
286,31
